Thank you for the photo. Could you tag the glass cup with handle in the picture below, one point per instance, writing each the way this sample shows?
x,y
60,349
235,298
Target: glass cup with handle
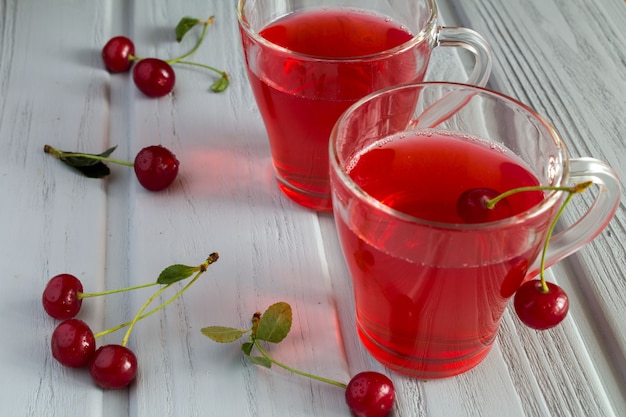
x,y
432,278
309,60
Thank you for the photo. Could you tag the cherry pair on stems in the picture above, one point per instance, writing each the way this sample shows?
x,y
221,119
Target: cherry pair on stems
x,y
539,304
155,77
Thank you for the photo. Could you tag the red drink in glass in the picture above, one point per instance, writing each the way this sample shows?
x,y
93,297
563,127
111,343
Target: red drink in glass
x,y
301,97
431,275
436,313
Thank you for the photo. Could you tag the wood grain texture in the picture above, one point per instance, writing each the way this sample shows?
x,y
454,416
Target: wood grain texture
x,y
574,75
564,58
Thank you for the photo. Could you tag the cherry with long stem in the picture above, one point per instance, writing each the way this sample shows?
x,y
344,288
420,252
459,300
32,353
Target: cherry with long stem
x,y
296,371
575,189
156,167
541,304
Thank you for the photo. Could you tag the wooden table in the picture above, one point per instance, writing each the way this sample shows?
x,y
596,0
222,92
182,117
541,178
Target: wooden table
x,y
564,58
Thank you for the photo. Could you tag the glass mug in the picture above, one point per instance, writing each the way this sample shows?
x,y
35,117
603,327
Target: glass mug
x,y
309,60
429,287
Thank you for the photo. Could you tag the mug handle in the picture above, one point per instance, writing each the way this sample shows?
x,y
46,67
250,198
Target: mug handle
x,y
473,42
594,220
449,104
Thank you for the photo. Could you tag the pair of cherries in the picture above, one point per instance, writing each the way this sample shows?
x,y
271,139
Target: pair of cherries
x,y
153,76
539,304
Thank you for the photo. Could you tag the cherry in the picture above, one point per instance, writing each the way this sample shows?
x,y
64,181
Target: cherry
x,y
117,54
113,366
156,167
61,298
538,308
471,206
73,343
370,394
154,77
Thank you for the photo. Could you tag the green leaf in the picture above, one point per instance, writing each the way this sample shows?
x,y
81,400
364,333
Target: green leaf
x,y
185,25
247,348
275,323
220,84
222,334
97,170
175,273
83,161
260,360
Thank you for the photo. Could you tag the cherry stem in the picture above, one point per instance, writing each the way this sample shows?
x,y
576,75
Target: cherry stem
x,y
201,269
210,68
82,295
296,371
206,24
58,154
576,188
544,285
139,313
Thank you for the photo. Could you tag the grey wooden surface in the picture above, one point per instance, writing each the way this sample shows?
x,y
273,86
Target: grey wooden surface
x,y
566,59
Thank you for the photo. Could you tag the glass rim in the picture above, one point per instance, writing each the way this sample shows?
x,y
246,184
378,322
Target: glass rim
x,y
423,34
551,198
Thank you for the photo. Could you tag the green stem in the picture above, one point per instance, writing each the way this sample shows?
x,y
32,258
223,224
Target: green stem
x,y
149,313
195,48
544,285
82,295
296,371
201,269
210,68
58,154
576,188
143,307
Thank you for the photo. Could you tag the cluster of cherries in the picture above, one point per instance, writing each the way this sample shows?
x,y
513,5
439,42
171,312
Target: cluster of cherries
x,y
73,343
153,76
539,304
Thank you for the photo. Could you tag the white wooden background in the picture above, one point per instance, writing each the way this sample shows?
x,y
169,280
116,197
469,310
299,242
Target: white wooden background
x,y
566,58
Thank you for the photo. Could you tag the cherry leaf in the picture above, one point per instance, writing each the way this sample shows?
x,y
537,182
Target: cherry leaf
x,y
220,84
185,25
222,334
246,348
97,170
260,360
275,323
83,161
175,273
89,167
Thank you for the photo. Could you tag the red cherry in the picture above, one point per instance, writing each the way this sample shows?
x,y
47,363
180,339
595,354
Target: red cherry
x,y
538,309
156,167
72,343
116,54
470,206
154,77
113,367
61,298
370,394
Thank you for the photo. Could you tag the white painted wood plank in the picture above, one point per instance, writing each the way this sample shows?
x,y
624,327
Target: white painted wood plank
x,y
575,76
51,92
